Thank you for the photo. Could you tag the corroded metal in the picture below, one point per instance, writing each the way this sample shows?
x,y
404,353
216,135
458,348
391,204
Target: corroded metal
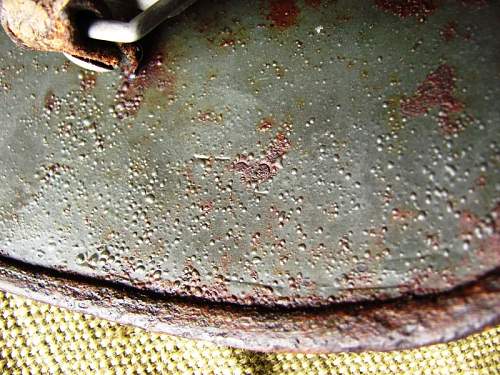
x,y
59,26
291,154
402,324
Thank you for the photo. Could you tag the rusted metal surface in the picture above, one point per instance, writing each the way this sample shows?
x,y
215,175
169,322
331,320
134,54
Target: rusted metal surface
x,y
401,324
291,154
58,26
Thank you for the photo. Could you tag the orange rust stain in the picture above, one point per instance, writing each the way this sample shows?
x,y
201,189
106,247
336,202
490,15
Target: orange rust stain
x,y
283,13
428,281
407,8
210,116
256,240
227,43
265,124
88,81
207,206
488,247
263,169
399,214
132,88
225,262
436,91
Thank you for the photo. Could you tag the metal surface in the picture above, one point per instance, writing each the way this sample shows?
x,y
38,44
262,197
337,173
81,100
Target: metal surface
x,y
88,64
140,25
292,154
371,326
154,13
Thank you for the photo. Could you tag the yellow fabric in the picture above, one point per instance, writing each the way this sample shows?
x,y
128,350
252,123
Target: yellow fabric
x,y
40,339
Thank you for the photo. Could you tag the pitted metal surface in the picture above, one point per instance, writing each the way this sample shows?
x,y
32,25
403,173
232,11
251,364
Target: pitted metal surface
x,y
286,153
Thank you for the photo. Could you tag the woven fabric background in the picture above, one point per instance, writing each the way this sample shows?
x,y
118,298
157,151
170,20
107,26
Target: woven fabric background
x,y
40,339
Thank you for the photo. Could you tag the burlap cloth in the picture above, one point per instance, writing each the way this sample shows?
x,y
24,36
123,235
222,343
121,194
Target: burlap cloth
x,y
40,339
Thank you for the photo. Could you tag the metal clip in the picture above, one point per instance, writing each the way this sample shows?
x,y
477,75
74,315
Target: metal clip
x,y
154,12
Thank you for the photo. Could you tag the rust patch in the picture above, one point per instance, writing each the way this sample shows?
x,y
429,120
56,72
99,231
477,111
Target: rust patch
x,y
407,8
278,148
419,9
265,124
132,88
403,323
452,30
193,286
88,81
283,13
436,91
229,37
56,30
482,234
51,172
313,3
425,282
210,116
207,206
49,102
399,214
262,170
227,42
225,263
449,31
